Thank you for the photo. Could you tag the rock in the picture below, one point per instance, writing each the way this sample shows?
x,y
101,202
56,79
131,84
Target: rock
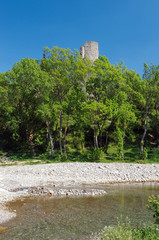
x,y
41,191
2,229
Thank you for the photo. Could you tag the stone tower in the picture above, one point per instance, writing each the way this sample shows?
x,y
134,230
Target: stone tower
x,y
90,50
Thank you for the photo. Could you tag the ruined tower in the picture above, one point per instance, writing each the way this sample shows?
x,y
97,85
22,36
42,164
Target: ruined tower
x,y
90,50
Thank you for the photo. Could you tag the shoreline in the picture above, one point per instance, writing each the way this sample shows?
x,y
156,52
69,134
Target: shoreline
x,y
67,179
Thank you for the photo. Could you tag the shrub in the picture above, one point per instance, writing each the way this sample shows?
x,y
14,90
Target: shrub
x,y
146,233
154,206
121,232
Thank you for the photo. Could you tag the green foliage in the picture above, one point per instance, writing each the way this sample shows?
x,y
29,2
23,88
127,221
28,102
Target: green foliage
x,y
154,206
145,233
153,154
124,231
145,153
120,137
64,105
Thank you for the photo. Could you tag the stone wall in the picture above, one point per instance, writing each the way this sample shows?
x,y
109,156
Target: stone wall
x,y
90,50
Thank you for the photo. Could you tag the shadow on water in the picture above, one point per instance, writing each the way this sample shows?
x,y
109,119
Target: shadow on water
x,y
76,218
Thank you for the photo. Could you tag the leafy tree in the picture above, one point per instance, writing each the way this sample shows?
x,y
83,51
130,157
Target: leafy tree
x,y
23,79
63,101
5,108
125,117
5,111
100,89
68,71
96,115
150,92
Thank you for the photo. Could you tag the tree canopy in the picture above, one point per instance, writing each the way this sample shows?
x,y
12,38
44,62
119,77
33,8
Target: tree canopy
x,y
63,103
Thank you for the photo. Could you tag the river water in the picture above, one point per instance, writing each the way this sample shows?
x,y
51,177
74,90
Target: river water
x,y
76,218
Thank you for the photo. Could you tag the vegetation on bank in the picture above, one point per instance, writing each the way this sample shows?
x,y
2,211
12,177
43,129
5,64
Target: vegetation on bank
x,y
64,108
131,155
124,231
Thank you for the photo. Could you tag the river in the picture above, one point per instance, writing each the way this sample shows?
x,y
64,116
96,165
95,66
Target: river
x,y
76,218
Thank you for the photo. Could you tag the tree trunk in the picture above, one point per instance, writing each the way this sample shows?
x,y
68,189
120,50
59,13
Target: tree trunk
x,y
144,134
55,134
156,123
120,135
82,139
60,139
100,138
50,137
122,147
106,143
95,137
31,142
64,144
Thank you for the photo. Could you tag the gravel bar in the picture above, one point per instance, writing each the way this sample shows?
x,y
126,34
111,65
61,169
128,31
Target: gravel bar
x,y
64,175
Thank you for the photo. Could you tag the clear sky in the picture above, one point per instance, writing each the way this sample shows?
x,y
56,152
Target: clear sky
x,y
127,30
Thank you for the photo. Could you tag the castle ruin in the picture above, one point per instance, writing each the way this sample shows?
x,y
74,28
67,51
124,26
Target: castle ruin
x,y
90,50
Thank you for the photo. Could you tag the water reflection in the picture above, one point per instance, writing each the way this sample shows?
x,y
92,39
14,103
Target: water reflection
x,y
76,218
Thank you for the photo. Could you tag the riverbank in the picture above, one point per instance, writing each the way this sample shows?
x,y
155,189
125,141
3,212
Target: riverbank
x,y
67,179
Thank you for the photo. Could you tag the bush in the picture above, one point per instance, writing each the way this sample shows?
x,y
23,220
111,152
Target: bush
x,y
154,206
146,233
121,232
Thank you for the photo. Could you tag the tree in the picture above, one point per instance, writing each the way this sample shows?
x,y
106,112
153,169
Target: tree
x,y
125,117
96,115
23,80
150,92
5,111
68,71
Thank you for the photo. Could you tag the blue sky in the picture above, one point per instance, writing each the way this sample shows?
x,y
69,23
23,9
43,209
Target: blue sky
x,y
127,30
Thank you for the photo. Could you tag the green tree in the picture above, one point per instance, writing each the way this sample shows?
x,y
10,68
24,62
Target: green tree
x,y
96,115
125,118
5,111
23,80
68,71
150,92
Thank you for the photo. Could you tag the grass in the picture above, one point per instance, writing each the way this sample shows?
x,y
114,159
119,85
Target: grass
x,y
131,154
124,231
11,158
